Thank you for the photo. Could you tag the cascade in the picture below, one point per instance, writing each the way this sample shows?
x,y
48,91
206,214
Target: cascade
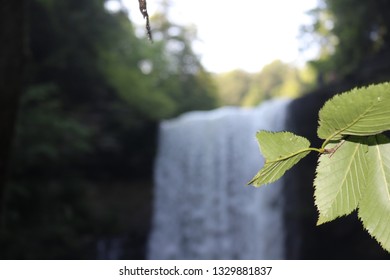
x,y
202,206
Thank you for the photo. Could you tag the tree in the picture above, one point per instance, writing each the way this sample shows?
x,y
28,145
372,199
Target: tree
x,y
233,86
189,84
92,96
347,36
277,79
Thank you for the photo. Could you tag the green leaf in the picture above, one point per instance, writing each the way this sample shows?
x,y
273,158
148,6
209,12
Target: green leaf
x,y
374,208
363,112
340,178
281,150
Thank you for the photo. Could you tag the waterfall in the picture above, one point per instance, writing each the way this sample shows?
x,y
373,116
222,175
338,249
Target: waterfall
x,y
202,206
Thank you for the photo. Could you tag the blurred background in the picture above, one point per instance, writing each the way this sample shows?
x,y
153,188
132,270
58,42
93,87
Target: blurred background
x,y
82,91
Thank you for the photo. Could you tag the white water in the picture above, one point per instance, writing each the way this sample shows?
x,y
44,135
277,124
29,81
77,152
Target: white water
x,y
202,206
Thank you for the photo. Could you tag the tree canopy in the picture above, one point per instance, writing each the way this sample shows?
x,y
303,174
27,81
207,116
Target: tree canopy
x,y
348,32
93,93
277,79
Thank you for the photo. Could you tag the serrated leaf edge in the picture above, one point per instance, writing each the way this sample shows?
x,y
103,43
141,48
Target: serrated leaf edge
x,y
323,218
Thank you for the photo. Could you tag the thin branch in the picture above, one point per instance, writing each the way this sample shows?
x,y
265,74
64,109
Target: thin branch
x,y
144,12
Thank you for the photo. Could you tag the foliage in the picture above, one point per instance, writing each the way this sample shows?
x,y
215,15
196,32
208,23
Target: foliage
x,y
347,36
183,76
93,94
109,83
277,79
282,152
233,86
46,135
353,169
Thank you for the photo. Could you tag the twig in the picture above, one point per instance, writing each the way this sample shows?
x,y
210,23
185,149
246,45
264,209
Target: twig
x,y
144,12
331,151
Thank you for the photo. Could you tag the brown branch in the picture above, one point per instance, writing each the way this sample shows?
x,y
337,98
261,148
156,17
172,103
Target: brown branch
x,y
331,151
144,12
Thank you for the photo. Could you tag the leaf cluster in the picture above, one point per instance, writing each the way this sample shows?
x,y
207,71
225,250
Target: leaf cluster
x,y
353,171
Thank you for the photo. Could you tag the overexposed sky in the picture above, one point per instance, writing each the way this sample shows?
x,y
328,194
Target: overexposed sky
x,y
238,34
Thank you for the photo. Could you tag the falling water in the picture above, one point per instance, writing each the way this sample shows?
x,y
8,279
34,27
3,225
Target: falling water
x,y
202,206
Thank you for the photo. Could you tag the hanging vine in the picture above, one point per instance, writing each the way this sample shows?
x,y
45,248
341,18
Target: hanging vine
x,y
144,12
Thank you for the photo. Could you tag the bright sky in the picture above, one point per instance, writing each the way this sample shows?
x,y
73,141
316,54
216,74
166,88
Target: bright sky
x,y
238,34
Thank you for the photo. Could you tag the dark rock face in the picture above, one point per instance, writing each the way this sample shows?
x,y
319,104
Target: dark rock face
x,y
344,238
